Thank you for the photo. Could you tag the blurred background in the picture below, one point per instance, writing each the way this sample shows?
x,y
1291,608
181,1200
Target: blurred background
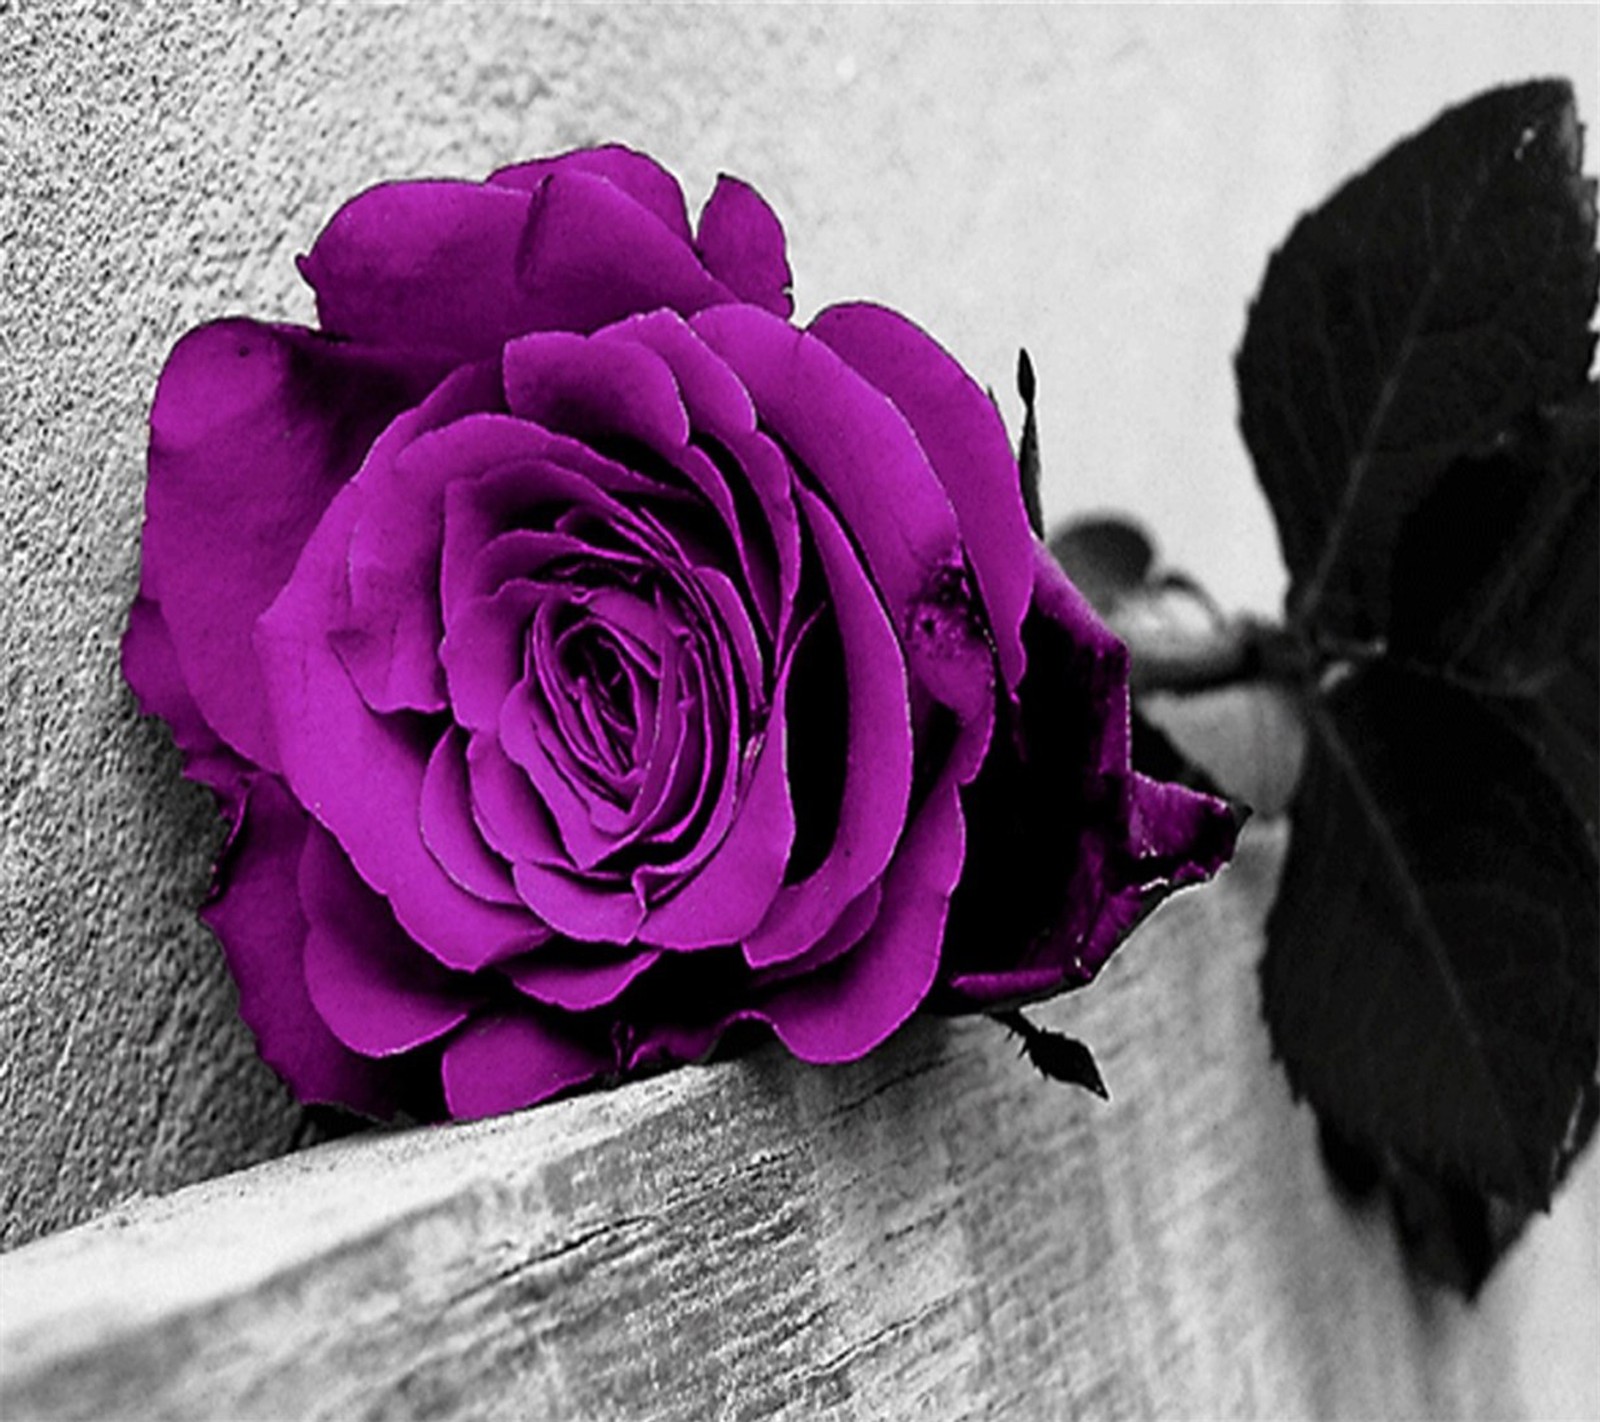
x,y
1099,184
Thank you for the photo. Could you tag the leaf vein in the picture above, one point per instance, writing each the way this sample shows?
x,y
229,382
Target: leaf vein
x,y
1395,860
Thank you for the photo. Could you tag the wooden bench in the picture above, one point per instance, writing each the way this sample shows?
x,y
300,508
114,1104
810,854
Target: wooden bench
x,y
935,1232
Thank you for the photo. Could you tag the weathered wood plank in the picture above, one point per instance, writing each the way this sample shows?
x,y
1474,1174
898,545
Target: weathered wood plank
x,y
935,1232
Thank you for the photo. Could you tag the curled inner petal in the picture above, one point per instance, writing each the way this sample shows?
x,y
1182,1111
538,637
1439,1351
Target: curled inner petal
x,y
877,778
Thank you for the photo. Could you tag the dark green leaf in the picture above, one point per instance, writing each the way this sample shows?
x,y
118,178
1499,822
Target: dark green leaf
x,y
1451,1233
1432,981
1562,725
1497,573
1355,1170
1407,324
1497,582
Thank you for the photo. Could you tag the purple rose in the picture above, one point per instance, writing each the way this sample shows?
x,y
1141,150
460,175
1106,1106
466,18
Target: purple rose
x,y
586,659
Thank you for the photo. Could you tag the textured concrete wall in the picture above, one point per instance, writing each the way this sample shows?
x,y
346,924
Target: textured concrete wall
x,y
1101,185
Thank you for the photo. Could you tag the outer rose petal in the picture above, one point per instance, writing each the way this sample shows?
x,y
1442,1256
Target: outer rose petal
x,y
841,1012
592,256
638,175
1070,848
959,428
151,668
430,266
377,990
741,242
1178,834
580,978
459,269
256,916
254,429
514,1059
390,638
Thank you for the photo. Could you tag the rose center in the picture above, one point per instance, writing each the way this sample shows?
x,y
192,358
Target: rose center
x,y
602,692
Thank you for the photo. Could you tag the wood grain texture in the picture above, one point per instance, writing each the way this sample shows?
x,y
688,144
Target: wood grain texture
x,y
935,1232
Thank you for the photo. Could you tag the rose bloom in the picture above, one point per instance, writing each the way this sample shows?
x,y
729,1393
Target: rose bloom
x,y
587,660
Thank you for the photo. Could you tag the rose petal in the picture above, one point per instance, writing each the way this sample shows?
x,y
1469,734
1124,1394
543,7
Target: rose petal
x,y
848,929
734,634
1051,799
741,242
533,555
767,536
863,456
596,696
585,908
515,475
150,667
696,801
514,1059
665,1044
1174,836
577,979
253,430
256,916
592,256
1056,794
593,390
589,807
377,990
527,734
361,773
390,641
507,809
1179,834
449,831
638,175
461,268
425,265
673,748
733,891
960,430
1080,643
877,777
948,651
1005,989
841,1012
717,402
482,652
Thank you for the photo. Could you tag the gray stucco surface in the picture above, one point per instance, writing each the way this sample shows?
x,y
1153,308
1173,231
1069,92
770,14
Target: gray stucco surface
x,y
1101,185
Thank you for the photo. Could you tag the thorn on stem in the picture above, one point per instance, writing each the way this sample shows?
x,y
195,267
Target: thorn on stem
x,y
1056,1055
